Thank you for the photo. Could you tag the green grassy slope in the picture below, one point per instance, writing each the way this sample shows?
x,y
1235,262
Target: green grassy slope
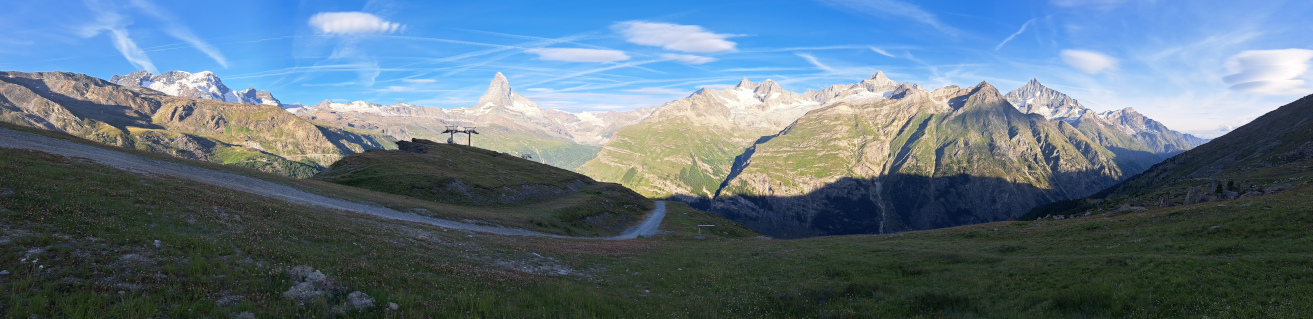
x,y
459,175
74,235
671,157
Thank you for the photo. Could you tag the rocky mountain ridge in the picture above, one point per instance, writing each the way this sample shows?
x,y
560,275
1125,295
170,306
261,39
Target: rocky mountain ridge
x,y
201,85
1152,135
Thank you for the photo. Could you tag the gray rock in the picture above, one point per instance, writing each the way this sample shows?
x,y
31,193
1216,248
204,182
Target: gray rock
x,y
242,315
228,300
4,272
309,284
360,300
393,306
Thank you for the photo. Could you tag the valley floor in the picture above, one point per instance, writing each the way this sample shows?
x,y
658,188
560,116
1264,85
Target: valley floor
x,y
81,239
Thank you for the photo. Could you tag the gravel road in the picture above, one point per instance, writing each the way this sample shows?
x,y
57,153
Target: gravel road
x,y
141,165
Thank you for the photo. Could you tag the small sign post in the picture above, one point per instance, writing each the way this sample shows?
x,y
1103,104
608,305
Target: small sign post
x,y
700,228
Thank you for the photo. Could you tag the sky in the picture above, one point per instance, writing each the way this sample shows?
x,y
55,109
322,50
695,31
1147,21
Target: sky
x,y
1200,67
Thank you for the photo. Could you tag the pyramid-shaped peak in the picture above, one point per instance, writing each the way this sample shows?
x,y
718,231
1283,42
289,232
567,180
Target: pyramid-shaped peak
x,y
744,83
879,76
985,87
1034,81
499,92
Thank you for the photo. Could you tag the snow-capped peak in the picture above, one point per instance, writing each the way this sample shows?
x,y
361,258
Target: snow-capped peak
x,y
1036,98
199,85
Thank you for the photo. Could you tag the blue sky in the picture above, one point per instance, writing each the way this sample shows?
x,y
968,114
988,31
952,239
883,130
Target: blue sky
x,y
1198,66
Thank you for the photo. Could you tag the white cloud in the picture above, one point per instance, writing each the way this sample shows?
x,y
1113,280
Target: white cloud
x,y
677,37
812,59
1269,72
352,23
1088,61
885,8
1014,35
665,91
688,58
579,55
108,20
418,80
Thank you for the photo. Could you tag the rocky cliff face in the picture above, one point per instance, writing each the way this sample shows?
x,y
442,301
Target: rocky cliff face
x,y
256,136
920,160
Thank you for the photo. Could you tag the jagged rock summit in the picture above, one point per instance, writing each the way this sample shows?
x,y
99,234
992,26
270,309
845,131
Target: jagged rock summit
x,y
1147,134
1035,98
200,85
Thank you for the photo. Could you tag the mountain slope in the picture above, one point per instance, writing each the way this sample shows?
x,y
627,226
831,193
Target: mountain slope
x,y
80,232
686,147
919,160
1260,157
564,201
255,136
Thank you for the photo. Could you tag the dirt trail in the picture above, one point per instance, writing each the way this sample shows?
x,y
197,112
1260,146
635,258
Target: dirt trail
x,y
141,165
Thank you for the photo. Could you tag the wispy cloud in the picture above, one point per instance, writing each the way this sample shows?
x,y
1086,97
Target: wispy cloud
x,y
579,55
1269,72
1097,4
688,58
348,23
108,20
881,52
587,72
419,80
665,91
812,59
886,8
1088,61
1014,34
178,30
676,37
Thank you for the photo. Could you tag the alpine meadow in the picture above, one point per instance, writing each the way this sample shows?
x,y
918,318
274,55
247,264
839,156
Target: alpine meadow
x,y
671,159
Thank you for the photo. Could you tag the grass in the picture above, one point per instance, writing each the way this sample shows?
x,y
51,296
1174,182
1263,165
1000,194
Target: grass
x,y
1246,259
500,185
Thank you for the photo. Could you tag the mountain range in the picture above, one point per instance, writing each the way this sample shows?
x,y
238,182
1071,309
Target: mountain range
x,y
874,156
878,156
203,85
507,122
257,136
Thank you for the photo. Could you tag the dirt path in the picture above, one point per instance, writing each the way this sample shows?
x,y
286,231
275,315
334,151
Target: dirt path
x,y
141,165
